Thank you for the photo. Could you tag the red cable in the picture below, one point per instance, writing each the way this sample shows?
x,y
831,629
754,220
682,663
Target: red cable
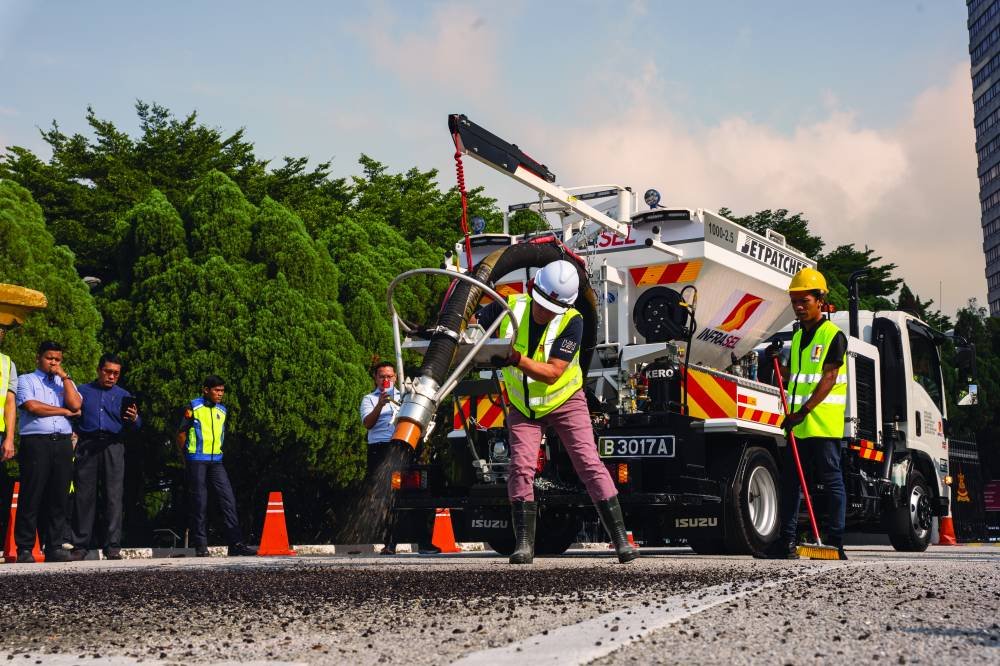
x,y
460,172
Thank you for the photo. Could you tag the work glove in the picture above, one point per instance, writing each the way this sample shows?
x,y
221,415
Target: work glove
x,y
504,361
794,419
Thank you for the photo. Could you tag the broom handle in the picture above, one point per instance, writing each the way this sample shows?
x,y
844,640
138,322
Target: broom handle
x,y
795,454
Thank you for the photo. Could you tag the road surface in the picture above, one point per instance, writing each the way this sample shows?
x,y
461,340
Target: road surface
x,y
669,607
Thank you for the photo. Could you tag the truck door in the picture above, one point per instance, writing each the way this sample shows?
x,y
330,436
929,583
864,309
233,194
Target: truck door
x,y
889,341
926,393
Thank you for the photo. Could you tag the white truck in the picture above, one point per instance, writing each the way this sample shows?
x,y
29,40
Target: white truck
x,y
675,302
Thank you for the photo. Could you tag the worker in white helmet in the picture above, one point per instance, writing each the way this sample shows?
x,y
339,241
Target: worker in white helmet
x,y
544,383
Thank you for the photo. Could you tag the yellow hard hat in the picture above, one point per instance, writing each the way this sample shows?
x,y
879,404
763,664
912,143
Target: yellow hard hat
x,y
808,279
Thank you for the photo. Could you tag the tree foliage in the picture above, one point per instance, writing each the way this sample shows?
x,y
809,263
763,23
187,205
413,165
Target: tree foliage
x,y
29,257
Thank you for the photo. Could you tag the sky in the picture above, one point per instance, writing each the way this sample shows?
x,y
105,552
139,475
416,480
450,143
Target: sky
x,y
856,113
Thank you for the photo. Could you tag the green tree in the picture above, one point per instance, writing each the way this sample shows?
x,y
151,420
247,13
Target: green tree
x,y
878,284
30,257
908,301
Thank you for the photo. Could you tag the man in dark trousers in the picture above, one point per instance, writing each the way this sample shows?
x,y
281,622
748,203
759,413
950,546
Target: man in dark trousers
x,y
817,391
200,437
47,399
108,410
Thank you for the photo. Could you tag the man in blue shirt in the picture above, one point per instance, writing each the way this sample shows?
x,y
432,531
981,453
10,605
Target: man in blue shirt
x,y
108,410
47,399
200,436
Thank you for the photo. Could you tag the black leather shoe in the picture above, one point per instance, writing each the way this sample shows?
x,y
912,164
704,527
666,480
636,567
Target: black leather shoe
x,y
78,554
57,555
25,557
783,550
113,554
242,550
428,549
201,551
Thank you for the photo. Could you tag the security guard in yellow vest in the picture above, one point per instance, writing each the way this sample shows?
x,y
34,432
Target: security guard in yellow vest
x,y
200,437
544,383
8,401
817,391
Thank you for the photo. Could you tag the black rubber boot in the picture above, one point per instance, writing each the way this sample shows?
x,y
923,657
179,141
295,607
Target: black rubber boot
x,y
610,512
523,515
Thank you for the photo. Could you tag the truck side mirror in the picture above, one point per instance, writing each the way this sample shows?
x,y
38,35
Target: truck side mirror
x,y
968,397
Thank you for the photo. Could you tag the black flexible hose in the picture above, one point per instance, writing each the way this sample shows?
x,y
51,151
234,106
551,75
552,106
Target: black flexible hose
x,y
463,300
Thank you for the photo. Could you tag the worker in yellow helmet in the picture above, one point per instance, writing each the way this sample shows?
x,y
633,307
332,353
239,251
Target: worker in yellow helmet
x,y
817,391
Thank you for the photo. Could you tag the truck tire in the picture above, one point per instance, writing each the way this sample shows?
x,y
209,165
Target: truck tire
x,y
753,507
554,537
502,545
909,526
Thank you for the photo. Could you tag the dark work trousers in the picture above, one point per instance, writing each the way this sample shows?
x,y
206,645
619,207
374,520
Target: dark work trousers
x,y
383,459
98,457
821,463
199,475
46,463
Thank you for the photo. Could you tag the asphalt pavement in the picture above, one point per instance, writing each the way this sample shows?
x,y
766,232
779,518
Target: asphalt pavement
x,y
669,607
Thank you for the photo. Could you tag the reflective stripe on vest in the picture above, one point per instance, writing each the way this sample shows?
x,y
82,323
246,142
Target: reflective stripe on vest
x,y
827,418
533,398
208,429
4,384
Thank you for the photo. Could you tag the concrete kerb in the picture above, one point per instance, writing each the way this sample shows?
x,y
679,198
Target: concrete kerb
x,y
315,550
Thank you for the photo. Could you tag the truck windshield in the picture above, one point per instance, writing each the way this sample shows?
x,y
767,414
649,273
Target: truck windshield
x,y
926,367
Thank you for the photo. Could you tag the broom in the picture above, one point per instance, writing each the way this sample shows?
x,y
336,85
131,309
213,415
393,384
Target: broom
x,y
817,551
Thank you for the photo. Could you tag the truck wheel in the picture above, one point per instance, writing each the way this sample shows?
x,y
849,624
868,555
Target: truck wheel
x,y
909,526
754,502
554,537
503,545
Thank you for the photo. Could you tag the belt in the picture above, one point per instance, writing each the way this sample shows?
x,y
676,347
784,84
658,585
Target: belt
x,y
99,434
54,437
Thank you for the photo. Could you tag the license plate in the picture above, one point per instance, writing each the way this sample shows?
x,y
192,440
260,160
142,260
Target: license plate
x,y
648,446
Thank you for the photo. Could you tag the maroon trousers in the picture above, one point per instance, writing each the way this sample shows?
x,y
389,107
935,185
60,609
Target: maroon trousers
x,y
571,421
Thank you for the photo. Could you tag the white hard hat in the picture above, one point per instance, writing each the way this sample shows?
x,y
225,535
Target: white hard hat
x,y
556,286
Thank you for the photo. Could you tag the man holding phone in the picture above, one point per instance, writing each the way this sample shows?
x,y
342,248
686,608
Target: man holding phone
x,y
377,411
108,411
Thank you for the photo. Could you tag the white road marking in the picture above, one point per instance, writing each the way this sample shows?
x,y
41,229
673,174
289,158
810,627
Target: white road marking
x,y
585,641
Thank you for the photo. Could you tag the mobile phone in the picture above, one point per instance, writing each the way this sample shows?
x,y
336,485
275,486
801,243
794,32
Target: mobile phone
x,y
127,404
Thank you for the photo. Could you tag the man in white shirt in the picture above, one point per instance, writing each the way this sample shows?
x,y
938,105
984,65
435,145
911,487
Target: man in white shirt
x,y
377,411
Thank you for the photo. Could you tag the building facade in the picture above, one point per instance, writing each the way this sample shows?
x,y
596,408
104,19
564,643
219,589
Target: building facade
x,y
984,52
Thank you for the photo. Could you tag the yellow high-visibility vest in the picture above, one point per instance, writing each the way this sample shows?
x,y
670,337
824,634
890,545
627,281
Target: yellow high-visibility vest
x,y
827,418
208,430
4,384
533,398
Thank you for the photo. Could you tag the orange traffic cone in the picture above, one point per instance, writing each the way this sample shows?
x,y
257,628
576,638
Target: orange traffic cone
x,y
631,541
946,532
9,547
444,535
274,539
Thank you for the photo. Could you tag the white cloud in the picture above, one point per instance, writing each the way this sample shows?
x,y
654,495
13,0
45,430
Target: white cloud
x,y
909,192
455,49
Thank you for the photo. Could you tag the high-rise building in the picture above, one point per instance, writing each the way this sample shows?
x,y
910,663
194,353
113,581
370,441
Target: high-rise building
x,y
984,51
